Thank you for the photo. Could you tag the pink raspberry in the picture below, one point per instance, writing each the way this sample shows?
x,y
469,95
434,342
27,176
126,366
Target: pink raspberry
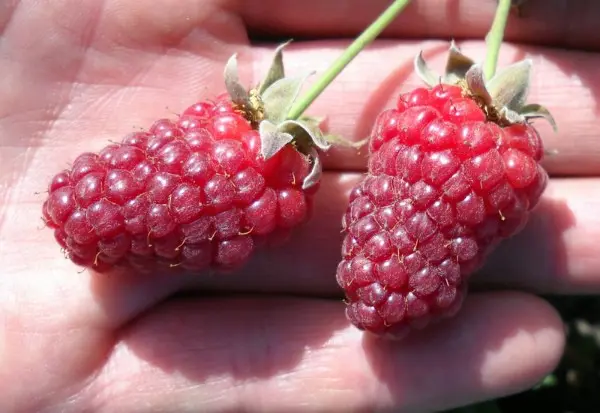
x,y
453,170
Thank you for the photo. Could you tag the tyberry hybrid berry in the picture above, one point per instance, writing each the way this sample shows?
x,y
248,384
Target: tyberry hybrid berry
x,y
196,192
453,170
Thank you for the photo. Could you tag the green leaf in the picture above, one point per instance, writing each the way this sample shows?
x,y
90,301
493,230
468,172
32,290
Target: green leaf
x,y
549,381
476,82
312,121
341,141
511,116
314,133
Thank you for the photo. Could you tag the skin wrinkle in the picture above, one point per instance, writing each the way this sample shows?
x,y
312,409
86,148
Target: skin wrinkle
x,y
104,392
106,389
125,296
501,343
264,351
244,391
85,38
404,374
53,112
43,334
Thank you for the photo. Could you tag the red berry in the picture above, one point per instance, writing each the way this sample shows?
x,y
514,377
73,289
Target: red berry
x,y
444,187
61,179
200,110
194,193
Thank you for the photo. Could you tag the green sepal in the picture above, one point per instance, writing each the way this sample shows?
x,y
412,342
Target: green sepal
x,y
457,64
278,98
504,95
535,110
267,106
510,86
276,70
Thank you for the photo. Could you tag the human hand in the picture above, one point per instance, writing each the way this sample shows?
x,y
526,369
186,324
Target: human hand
x,y
76,74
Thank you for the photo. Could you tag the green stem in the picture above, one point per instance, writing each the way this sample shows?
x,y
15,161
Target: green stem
x,y
349,54
495,37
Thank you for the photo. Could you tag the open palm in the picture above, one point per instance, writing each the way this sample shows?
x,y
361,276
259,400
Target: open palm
x,y
76,74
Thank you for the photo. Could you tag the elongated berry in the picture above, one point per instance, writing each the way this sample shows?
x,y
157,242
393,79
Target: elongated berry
x,y
452,172
198,192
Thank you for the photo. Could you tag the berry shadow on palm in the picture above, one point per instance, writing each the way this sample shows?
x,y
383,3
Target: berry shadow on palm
x,y
235,338
298,262
575,145
196,323
463,356
536,256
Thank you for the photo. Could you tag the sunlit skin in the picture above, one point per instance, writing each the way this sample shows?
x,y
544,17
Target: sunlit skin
x,y
76,75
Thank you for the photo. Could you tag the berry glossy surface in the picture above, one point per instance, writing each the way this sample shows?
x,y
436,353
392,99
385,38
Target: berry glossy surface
x,y
190,193
444,187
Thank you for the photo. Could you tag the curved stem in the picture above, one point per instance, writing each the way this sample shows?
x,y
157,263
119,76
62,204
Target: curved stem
x,y
349,54
495,37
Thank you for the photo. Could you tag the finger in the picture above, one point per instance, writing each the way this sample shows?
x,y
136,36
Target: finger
x,y
555,253
541,22
272,355
315,278
566,82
